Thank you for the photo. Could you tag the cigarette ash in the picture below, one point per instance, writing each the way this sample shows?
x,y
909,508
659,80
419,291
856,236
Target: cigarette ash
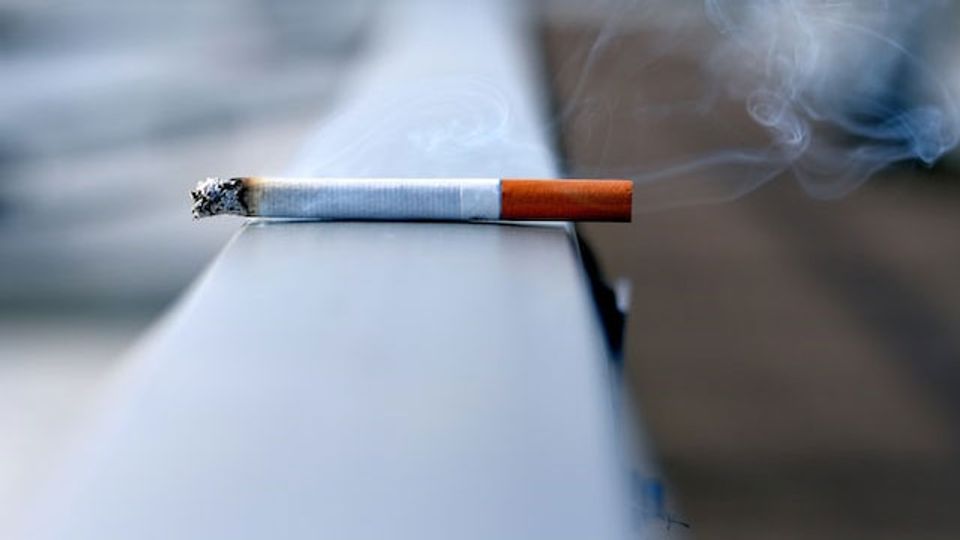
x,y
215,196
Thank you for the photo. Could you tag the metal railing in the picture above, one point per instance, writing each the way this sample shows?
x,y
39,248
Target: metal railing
x,y
377,380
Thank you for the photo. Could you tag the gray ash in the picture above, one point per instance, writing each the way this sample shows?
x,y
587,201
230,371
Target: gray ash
x,y
215,196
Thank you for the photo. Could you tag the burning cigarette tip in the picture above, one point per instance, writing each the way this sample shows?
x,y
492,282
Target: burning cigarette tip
x,y
216,196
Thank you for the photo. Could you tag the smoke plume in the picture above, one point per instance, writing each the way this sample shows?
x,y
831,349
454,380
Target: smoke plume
x,y
841,89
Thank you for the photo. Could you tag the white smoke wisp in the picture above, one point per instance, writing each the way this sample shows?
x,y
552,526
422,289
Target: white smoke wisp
x,y
852,68
842,89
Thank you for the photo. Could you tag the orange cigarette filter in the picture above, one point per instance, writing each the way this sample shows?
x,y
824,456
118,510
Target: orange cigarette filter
x,y
566,200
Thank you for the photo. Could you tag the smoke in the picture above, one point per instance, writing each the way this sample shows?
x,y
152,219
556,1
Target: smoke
x,y
831,91
841,89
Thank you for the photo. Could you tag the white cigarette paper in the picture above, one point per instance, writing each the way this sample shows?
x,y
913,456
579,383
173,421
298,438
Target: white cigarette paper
x,y
351,198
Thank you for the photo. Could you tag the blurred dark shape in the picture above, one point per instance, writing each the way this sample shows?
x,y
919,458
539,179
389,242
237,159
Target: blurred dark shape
x,y
795,361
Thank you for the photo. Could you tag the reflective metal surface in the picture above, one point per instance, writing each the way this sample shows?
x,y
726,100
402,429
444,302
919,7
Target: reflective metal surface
x,y
376,380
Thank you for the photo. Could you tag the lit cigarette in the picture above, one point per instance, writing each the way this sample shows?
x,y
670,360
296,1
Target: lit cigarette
x,y
446,199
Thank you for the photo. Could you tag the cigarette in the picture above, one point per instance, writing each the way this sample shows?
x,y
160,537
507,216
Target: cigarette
x,y
441,199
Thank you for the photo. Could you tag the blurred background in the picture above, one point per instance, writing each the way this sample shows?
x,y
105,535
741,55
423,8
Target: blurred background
x,y
795,360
